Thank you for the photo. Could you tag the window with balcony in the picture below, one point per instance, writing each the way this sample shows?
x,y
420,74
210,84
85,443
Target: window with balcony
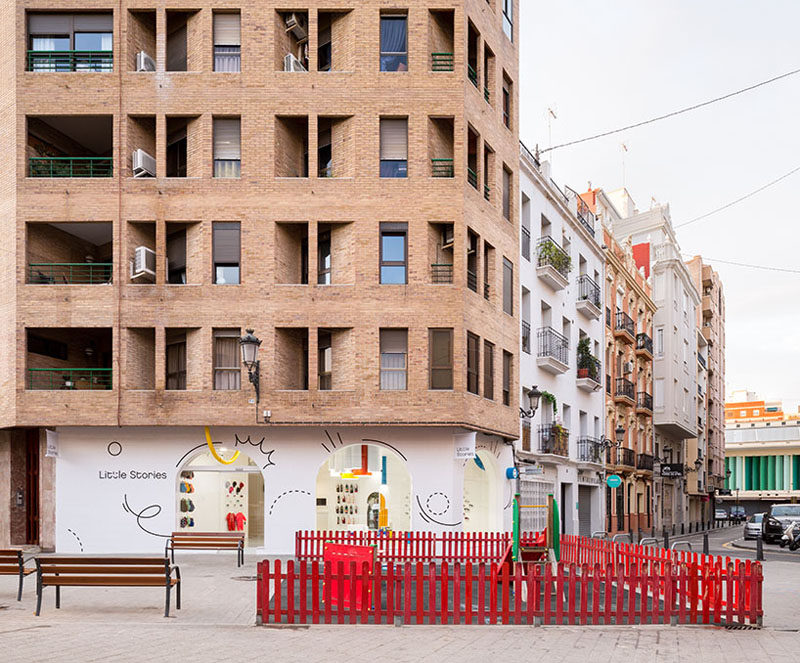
x,y
227,42
394,359
183,154
394,42
393,253
70,146
70,42
335,260
440,146
394,147
440,358
141,37
472,157
473,44
291,146
441,39
440,251
508,367
226,252
291,358
488,370
68,358
69,253
508,287
227,147
473,362
473,242
176,253
291,41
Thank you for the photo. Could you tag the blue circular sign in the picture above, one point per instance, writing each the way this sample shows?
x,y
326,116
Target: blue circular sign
x,y
614,481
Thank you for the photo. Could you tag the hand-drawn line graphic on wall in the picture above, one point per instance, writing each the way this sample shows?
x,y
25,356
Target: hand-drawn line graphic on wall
x,y
258,445
151,511
429,517
442,507
77,538
114,448
286,492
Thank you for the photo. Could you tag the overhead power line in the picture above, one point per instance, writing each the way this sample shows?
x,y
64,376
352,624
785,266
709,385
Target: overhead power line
x,y
673,113
738,200
784,270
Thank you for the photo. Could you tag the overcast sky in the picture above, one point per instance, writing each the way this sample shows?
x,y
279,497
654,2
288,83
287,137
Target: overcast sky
x,y
603,65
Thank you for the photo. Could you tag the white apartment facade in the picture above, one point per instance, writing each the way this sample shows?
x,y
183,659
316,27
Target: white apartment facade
x,y
561,279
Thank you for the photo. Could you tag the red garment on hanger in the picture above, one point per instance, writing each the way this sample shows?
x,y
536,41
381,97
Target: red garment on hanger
x,y
231,520
240,521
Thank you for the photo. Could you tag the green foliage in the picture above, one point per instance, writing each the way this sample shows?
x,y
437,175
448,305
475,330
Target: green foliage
x,y
550,398
552,254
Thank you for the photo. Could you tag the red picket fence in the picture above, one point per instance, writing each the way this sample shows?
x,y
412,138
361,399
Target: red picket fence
x,y
429,593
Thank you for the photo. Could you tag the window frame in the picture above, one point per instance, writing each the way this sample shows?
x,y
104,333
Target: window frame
x,y
508,367
225,333
508,286
216,159
393,230
215,264
473,363
488,370
391,371
392,16
448,368
399,167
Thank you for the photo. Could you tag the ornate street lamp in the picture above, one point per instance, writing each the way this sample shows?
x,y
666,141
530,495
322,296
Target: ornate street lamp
x,y
533,395
249,344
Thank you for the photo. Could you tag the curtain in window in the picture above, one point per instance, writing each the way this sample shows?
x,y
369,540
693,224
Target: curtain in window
x,y
394,46
227,42
441,359
176,366
227,374
227,147
394,343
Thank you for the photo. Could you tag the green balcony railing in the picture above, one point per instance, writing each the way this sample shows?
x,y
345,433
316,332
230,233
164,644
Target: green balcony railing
x,y
70,167
486,191
486,94
441,167
69,272
472,177
442,62
58,61
472,75
93,379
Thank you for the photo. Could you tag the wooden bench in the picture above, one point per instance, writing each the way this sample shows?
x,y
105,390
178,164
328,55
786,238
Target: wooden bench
x,y
206,541
12,563
91,571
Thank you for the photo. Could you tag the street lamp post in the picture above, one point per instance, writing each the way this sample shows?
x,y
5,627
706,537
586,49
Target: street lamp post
x,y
533,395
605,444
249,344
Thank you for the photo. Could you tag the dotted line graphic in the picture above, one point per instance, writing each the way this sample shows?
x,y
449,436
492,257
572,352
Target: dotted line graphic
x,y
114,448
287,492
80,543
437,513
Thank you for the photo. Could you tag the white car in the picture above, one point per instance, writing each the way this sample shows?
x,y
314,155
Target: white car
x,y
752,526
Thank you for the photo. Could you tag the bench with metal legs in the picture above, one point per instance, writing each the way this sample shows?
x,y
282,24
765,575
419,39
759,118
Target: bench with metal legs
x,y
12,563
206,541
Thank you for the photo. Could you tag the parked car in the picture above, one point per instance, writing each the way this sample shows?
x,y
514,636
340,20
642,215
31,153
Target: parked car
x,y
776,519
737,514
720,514
752,527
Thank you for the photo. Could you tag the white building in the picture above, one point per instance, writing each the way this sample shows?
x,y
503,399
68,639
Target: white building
x,y
561,276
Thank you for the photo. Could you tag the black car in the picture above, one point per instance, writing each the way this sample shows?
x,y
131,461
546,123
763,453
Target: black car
x,y
777,519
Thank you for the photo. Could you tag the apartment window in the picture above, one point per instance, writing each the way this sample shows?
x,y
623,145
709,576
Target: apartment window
x,y
227,372
70,42
508,18
488,370
394,358
659,341
440,356
658,392
394,42
325,360
324,258
176,364
508,286
507,367
506,193
227,42
324,49
394,147
506,101
394,252
227,147
176,256
226,249
473,362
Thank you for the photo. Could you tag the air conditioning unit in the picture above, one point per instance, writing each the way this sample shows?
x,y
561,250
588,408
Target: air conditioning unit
x,y
447,237
143,263
144,62
143,164
627,367
296,24
291,63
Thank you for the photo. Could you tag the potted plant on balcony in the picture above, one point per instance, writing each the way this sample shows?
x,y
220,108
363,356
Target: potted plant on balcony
x,y
585,359
551,254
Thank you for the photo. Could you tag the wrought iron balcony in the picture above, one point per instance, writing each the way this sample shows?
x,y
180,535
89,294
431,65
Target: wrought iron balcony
x,y
93,379
608,384
441,272
644,462
442,168
624,323
588,290
552,344
526,336
551,254
624,388
442,61
626,457
553,439
70,167
644,343
590,450
701,360
63,61
69,272
589,369
526,243
644,401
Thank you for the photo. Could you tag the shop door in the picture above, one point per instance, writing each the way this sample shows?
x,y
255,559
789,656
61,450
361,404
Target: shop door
x,y
585,510
32,487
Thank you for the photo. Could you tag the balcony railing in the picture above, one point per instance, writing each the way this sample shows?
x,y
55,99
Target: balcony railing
x,y
69,272
589,450
472,177
487,191
58,61
552,344
625,323
94,379
526,336
486,94
644,462
582,211
442,61
70,167
553,439
626,457
472,281
442,168
608,317
526,243
589,367
644,342
701,359
472,75
608,384
487,290
588,290
442,272
550,253
644,401
625,388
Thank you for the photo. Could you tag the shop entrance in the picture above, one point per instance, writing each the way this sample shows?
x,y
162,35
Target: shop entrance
x,y
481,494
211,497
363,487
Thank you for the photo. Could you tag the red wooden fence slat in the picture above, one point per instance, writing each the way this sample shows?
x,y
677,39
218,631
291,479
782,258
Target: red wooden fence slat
x,y
457,593
482,594
493,595
445,604
303,583
468,594
505,589
290,591
407,593
419,616
548,581
517,585
571,596
365,593
390,587
584,588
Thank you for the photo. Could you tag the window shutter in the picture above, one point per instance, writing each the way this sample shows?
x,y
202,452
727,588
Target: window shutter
x,y
49,24
227,244
394,341
394,139
227,137
227,29
94,22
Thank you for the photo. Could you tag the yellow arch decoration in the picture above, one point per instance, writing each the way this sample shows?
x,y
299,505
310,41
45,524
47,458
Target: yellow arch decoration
x,y
214,453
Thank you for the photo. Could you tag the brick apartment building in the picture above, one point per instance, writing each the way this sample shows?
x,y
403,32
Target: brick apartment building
x,y
341,178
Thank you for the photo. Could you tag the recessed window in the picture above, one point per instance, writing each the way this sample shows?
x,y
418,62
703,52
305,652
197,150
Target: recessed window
x,y
508,361
394,359
473,362
227,372
440,356
394,147
394,42
508,286
227,147
227,42
488,370
226,250
394,253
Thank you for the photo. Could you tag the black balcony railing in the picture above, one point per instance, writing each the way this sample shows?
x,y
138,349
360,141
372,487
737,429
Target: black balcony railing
x,y
588,290
553,439
526,243
550,253
625,323
589,367
644,342
644,401
472,280
590,450
608,384
526,336
626,457
585,215
644,462
441,272
552,344
701,359
624,387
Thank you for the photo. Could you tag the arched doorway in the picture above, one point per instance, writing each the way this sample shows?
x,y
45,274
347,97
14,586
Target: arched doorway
x,y
211,497
363,487
481,494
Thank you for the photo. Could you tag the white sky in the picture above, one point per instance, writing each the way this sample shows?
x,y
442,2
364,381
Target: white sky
x,y
603,65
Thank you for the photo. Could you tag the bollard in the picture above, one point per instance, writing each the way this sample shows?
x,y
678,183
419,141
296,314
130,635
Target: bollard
x,y
705,543
666,538
673,529
682,530
690,528
759,550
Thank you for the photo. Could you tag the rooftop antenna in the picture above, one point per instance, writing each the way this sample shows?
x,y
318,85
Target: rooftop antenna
x,y
624,147
551,115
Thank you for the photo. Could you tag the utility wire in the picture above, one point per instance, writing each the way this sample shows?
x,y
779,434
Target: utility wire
x,y
673,113
743,264
738,200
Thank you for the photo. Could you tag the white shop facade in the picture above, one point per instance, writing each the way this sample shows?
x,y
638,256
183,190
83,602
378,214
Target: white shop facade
x,y
126,489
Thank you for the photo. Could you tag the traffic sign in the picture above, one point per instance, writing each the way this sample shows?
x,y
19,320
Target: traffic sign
x,y
614,481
